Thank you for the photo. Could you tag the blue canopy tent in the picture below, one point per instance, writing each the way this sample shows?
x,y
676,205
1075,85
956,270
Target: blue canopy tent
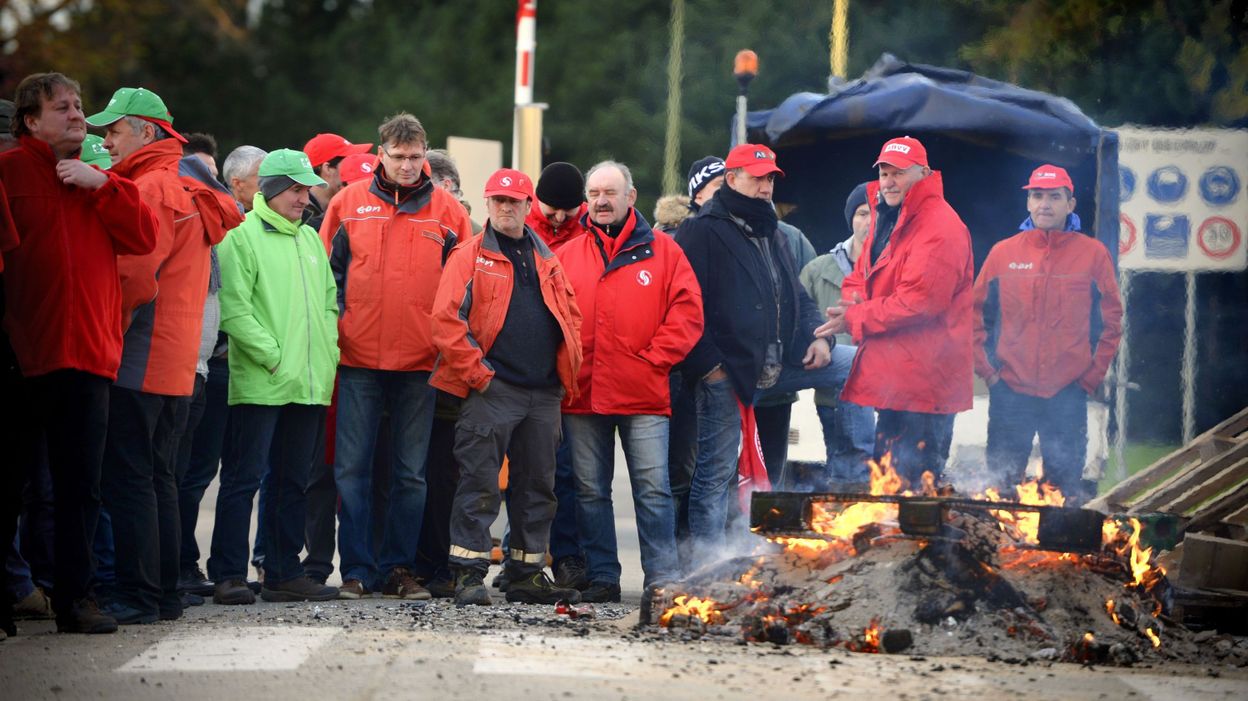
x,y
984,136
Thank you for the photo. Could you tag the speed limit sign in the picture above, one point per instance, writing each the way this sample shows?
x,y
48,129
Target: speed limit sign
x,y
1218,237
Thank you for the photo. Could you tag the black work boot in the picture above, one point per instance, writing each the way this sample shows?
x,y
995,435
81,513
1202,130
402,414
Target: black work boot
x,y
570,573
601,593
470,588
536,588
300,588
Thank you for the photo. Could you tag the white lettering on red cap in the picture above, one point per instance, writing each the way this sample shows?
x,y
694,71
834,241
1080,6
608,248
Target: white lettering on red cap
x,y
1046,174
899,148
366,167
762,154
505,181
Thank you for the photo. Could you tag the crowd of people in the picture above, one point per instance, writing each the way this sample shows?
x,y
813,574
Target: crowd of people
x,y
329,329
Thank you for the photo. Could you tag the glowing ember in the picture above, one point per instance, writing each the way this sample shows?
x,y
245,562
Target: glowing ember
x,y
1153,637
1144,573
1025,526
1089,638
871,636
692,607
1109,608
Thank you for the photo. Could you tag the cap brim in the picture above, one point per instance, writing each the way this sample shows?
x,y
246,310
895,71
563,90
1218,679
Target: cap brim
x,y
898,163
103,119
758,170
358,148
513,194
309,179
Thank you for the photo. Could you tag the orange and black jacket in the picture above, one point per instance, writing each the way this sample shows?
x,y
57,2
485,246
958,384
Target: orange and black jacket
x,y
163,292
387,246
1047,312
471,307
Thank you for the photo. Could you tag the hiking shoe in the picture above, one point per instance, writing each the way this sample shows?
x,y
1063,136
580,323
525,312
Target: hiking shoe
x,y
537,588
402,584
233,592
470,589
194,580
441,587
85,617
570,573
188,599
353,589
35,606
128,615
298,589
501,581
601,593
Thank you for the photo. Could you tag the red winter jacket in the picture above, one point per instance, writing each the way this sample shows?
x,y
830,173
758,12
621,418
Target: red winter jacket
x,y
1047,312
643,313
62,293
913,328
163,292
571,228
387,258
473,296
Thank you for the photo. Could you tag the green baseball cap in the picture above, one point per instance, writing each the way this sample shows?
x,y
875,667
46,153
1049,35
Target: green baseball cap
x,y
136,102
291,163
94,153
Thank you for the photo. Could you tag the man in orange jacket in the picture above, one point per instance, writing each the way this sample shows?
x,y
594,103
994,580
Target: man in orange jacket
x,y
388,237
907,304
150,400
507,330
1048,319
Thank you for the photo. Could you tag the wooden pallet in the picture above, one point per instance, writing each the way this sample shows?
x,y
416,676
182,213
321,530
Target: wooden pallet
x,y
1205,482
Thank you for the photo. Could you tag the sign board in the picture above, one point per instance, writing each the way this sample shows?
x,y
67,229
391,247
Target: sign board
x,y
477,159
1182,207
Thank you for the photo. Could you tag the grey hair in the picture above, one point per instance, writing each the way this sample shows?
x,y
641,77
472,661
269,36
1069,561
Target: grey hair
x,y
137,124
628,174
241,162
442,166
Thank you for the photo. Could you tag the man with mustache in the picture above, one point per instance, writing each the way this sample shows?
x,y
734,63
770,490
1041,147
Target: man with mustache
x,y
1048,319
907,304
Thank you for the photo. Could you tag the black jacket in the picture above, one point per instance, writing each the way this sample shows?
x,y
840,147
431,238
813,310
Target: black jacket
x,y
738,300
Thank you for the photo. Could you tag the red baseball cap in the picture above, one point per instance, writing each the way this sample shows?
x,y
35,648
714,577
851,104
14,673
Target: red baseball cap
x,y
756,159
1049,177
902,152
326,147
357,166
509,183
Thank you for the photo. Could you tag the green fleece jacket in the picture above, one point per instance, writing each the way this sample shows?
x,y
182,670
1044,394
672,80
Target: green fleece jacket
x,y
279,306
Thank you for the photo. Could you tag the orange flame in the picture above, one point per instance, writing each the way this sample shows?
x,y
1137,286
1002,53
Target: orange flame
x,y
1025,526
1110,605
694,607
1089,638
1153,637
1145,573
871,636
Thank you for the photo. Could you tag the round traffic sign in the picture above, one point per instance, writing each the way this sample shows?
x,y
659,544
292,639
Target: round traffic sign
x,y
1218,237
1126,235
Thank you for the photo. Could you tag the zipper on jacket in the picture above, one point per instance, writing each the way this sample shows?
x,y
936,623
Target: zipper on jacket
x,y
307,308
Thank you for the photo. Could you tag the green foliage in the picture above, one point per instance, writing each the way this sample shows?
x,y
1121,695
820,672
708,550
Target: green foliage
x,y
344,65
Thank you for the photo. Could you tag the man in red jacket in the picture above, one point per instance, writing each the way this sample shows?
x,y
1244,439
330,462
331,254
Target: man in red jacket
x,y
560,204
507,330
163,305
1048,319
643,311
63,224
387,237
907,305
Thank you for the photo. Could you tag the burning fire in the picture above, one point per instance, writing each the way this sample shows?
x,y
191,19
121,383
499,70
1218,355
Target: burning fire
x,y
1025,526
1144,573
1110,605
871,636
692,607
1152,637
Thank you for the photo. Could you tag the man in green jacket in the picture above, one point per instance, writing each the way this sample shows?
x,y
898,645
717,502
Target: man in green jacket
x,y
283,329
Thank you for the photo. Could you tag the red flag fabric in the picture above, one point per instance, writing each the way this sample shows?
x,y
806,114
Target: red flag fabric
x,y
751,469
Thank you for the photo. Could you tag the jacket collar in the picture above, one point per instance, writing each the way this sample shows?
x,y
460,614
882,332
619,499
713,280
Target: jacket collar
x,y
272,221
489,241
417,196
158,155
929,188
38,148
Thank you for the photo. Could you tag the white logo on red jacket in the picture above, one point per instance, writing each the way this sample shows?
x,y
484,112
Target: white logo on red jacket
x,y
1022,266
482,260
367,209
643,278
899,148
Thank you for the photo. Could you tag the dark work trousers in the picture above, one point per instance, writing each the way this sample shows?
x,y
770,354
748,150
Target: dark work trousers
x,y
66,411
918,442
1014,419
278,444
38,523
442,474
206,456
189,498
682,456
773,434
524,425
319,529
141,493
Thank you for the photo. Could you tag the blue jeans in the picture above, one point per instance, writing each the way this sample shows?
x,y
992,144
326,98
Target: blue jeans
x,y
715,474
17,572
849,437
592,440
796,378
362,396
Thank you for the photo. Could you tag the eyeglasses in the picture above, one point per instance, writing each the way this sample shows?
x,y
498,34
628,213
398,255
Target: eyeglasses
x,y
414,160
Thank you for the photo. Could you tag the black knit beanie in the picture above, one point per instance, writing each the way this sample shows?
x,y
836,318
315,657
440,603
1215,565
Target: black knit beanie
x,y
703,171
857,198
561,186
